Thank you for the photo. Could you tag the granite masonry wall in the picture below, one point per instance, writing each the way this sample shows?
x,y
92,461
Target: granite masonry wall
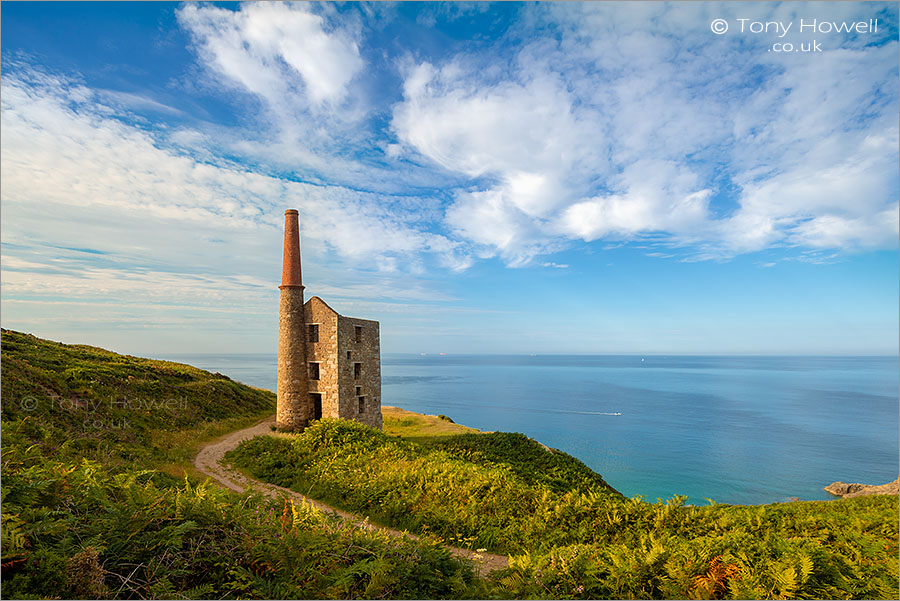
x,y
343,364
328,365
359,370
321,355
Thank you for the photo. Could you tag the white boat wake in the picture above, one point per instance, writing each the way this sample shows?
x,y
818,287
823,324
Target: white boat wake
x,y
585,412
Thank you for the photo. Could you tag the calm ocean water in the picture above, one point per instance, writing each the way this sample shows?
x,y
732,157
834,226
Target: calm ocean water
x,y
732,429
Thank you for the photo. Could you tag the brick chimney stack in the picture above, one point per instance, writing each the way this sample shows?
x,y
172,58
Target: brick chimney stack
x,y
293,411
290,270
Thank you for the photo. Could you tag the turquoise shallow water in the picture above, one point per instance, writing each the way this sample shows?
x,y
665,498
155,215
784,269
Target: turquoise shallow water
x,y
733,429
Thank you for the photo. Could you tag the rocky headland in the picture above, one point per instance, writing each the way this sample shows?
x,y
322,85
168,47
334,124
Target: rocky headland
x,y
848,491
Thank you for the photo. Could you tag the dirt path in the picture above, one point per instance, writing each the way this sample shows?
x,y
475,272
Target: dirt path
x,y
209,462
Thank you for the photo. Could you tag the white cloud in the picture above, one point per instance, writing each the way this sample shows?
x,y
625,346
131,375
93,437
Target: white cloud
x,y
98,211
833,231
522,135
77,158
606,128
492,221
306,94
276,50
592,127
659,196
137,102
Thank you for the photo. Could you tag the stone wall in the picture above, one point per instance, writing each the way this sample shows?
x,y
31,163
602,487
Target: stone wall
x,y
337,379
366,354
328,365
324,352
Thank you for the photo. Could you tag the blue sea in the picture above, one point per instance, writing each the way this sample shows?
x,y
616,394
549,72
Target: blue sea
x,y
732,429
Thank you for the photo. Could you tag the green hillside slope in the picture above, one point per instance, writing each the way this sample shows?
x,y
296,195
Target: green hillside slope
x,y
92,440
87,401
86,513
580,539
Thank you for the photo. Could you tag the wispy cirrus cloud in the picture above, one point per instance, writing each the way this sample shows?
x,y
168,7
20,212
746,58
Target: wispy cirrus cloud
x,y
93,206
589,128
64,147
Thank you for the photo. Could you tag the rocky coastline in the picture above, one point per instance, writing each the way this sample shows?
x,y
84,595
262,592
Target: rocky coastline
x,y
849,491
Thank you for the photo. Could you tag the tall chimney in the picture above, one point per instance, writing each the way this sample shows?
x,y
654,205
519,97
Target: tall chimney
x,y
293,411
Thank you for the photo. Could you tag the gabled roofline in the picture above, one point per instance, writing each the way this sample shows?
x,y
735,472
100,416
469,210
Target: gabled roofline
x,y
327,306
316,298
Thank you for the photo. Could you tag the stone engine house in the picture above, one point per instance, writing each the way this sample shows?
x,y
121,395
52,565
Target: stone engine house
x,y
329,365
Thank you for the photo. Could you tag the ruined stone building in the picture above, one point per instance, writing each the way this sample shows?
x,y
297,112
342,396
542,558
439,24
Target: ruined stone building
x,y
329,365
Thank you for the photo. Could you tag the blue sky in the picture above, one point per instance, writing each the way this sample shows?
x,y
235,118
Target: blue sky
x,y
502,178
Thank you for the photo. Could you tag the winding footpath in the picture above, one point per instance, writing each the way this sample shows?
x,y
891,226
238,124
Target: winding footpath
x,y
209,462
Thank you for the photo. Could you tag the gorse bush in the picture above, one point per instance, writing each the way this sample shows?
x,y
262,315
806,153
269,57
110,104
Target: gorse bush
x,y
587,541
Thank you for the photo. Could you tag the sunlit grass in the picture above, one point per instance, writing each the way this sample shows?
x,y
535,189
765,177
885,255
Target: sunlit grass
x,y
420,428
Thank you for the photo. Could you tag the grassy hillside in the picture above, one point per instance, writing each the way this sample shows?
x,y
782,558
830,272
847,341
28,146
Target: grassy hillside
x,y
87,512
528,459
89,402
580,538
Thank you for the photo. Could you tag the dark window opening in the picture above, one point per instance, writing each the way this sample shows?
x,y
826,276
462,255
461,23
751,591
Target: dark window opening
x,y
315,399
357,370
358,390
358,333
313,330
349,355
313,371
362,404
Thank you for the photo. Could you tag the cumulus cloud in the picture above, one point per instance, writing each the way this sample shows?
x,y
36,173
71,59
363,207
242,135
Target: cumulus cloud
x,y
306,93
658,196
607,128
584,123
519,134
276,50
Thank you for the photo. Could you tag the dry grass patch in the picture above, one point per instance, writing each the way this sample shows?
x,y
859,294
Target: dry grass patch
x,y
418,427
